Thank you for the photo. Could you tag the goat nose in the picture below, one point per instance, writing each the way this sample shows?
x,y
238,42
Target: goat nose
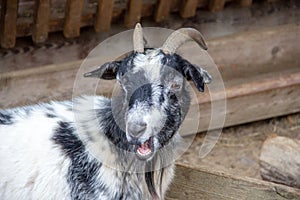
x,y
136,129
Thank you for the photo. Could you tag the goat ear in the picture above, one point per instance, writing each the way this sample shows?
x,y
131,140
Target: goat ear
x,y
107,71
198,75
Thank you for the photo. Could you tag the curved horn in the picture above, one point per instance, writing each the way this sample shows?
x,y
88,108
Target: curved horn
x,y
138,42
181,36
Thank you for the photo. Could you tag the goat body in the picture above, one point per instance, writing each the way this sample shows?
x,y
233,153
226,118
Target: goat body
x,y
101,148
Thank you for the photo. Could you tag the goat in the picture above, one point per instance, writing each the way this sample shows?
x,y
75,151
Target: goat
x,y
99,148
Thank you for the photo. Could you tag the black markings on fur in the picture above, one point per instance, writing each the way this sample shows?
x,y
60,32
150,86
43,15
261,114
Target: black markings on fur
x,y
50,115
82,173
142,94
149,177
111,128
172,124
6,118
188,70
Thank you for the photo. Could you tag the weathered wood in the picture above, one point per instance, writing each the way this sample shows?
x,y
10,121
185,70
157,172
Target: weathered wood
x,y
216,5
41,21
133,13
189,8
73,18
280,161
104,15
8,24
56,22
245,2
191,184
259,84
162,10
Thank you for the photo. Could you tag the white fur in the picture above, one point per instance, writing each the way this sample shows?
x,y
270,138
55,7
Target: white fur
x,y
31,167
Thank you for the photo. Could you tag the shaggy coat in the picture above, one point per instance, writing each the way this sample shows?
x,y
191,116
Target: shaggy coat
x,y
101,148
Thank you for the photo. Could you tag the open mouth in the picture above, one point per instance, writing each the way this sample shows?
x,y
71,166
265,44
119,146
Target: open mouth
x,y
146,149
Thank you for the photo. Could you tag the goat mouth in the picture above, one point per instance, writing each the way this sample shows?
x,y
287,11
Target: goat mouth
x,y
145,150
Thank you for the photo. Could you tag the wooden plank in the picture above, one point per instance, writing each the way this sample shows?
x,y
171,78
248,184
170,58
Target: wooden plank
x,y
104,15
162,10
191,184
245,2
189,8
280,161
41,21
271,1
216,5
8,24
56,23
251,77
73,18
133,13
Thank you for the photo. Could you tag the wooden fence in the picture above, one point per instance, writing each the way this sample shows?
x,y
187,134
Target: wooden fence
x,y
36,18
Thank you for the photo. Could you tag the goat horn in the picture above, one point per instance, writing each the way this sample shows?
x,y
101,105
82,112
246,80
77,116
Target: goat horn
x,y
181,36
138,41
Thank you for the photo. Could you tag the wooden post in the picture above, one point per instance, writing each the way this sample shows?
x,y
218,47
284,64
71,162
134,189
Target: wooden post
x,y
133,13
189,8
8,25
280,161
104,15
216,5
163,10
73,18
41,21
245,2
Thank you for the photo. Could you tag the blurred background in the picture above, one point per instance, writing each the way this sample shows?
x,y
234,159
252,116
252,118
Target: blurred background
x,y
254,43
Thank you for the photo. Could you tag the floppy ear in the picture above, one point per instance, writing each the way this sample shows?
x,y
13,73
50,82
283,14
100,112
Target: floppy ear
x,y
198,75
107,71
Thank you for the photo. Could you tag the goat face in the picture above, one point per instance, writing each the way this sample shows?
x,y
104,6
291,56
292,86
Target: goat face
x,y
155,96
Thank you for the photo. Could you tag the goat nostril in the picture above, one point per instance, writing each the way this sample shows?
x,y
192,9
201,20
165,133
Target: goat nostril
x,y
137,129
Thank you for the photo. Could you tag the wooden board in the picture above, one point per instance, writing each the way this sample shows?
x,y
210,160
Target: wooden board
x,y
104,15
189,8
133,13
8,23
41,21
73,18
56,23
162,10
245,2
216,5
191,184
259,84
280,161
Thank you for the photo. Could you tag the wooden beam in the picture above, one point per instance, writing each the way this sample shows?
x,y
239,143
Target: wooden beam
x,y
133,13
104,15
162,10
250,77
8,24
73,18
191,184
216,5
245,3
41,21
189,8
280,161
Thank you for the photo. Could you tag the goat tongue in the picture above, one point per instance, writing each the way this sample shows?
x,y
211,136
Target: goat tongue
x,y
144,149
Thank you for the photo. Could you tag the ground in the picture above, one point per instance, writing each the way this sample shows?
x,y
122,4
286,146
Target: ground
x,y
238,149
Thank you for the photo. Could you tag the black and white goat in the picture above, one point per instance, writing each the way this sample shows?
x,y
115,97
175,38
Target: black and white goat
x,y
100,148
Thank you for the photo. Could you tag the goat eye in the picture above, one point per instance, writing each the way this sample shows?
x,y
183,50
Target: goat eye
x,y
175,86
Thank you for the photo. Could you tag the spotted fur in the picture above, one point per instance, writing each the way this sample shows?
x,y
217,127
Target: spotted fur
x,y
85,150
